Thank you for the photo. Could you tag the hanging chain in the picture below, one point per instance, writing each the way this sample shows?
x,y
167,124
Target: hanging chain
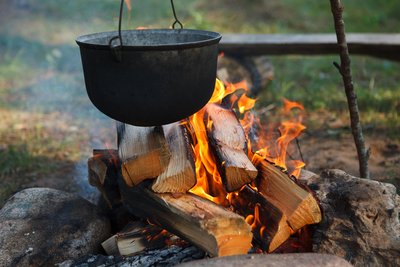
x,y
176,19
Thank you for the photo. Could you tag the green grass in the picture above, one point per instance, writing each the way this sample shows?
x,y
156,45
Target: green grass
x,y
318,86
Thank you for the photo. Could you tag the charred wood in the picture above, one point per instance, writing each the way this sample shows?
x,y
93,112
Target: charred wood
x,y
269,223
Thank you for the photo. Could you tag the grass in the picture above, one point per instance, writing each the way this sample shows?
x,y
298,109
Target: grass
x,y
46,119
318,86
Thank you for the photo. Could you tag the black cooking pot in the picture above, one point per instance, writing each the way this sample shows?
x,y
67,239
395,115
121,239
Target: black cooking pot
x,y
155,77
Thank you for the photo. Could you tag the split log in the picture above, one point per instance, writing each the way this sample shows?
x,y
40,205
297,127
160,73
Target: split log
x,y
212,228
102,173
143,152
180,174
135,238
299,205
229,142
269,223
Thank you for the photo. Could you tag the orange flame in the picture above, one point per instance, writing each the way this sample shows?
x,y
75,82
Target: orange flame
x,y
289,105
209,182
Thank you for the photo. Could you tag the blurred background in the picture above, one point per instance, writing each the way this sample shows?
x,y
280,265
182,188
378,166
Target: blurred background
x,y
48,127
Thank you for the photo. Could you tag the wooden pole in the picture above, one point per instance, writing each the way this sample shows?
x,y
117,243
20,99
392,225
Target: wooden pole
x,y
345,71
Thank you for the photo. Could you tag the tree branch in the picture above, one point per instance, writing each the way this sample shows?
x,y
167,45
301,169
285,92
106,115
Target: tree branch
x,y
345,72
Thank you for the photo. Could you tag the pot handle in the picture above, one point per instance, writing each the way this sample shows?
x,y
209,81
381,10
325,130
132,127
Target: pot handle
x,y
117,48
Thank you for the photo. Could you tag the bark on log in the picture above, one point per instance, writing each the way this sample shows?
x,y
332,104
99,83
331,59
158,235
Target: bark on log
x,y
180,174
229,142
212,228
299,206
102,173
143,152
345,71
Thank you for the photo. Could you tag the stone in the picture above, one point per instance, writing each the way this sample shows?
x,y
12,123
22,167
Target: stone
x,y
43,226
360,219
272,260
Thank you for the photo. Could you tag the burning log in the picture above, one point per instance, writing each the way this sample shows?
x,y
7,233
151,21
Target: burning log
x,y
214,229
180,175
102,166
229,142
299,206
269,223
143,152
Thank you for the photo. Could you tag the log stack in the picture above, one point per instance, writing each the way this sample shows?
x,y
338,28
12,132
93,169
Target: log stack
x,y
156,169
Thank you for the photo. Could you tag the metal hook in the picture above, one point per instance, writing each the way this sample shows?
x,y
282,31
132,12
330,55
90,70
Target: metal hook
x,y
116,49
176,19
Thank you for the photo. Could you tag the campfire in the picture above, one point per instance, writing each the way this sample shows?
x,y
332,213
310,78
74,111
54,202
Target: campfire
x,y
219,180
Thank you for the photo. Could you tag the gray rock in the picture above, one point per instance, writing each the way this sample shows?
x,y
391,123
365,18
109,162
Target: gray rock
x,y
272,260
42,226
361,219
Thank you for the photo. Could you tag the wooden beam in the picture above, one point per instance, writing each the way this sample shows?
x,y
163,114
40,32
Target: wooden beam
x,y
373,44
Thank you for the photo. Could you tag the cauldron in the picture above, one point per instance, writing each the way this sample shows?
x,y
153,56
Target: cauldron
x,y
155,77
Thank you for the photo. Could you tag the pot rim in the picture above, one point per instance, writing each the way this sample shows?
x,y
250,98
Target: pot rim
x,y
210,39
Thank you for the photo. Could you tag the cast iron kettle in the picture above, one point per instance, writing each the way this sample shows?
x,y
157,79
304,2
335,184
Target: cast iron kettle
x,y
149,77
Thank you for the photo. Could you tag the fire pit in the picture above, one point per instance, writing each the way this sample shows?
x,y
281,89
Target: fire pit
x,y
200,179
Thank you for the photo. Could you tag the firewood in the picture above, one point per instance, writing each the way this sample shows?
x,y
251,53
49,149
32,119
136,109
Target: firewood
x,y
135,238
180,174
102,168
228,139
272,229
203,223
143,152
299,206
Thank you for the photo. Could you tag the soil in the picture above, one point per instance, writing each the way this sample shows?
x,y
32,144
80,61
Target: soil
x,y
338,152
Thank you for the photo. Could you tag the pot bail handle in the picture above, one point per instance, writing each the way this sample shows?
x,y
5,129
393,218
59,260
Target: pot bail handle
x,y
176,18
116,48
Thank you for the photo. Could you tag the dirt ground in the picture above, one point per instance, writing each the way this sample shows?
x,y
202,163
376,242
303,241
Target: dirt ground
x,y
338,152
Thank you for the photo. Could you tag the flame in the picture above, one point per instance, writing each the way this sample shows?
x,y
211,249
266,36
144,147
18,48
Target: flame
x,y
289,105
297,166
289,131
245,103
209,182
254,220
128,4
274,148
